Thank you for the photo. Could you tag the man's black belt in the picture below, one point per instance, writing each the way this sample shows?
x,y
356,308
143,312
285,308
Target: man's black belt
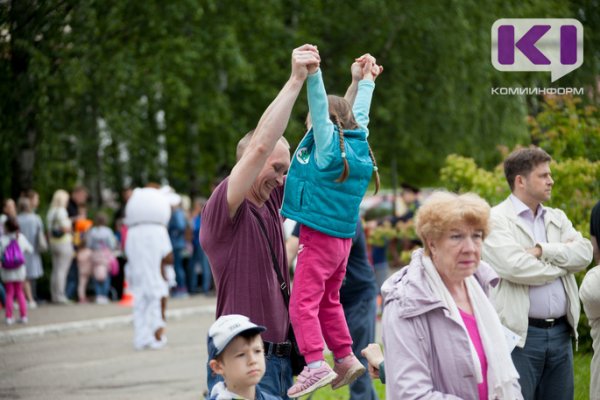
x,y
547,323
278,349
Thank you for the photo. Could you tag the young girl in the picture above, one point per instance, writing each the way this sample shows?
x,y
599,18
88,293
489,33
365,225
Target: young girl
x,y
14,278
102,242
328,177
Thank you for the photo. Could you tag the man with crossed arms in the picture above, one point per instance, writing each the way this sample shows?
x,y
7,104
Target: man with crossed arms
x,y
536,251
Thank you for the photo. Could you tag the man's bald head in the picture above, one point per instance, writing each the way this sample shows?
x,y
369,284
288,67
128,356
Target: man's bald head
x,y
245,141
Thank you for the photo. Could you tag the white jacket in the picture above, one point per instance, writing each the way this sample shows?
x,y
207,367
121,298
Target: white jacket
x,y
565,253
590,296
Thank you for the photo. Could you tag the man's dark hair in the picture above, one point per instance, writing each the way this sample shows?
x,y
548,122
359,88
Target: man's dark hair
x,y
522,162
411,188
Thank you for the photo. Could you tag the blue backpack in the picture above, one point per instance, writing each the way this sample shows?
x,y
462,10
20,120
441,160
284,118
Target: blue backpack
x,y
12,257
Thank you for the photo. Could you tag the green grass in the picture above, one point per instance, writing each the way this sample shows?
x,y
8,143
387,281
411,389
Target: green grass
x,y
582,375
343,393
582,383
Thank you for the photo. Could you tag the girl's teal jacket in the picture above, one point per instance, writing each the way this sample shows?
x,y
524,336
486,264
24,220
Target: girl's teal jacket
x,y
312,196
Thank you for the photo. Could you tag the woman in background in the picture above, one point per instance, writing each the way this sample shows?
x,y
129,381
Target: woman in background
x,y
32,227
61,244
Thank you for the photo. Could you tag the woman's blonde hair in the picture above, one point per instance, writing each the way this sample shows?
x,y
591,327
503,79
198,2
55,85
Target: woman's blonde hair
x,y
443,210
60,199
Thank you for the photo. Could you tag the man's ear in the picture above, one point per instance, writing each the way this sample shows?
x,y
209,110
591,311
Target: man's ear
x,y
519,181
216,366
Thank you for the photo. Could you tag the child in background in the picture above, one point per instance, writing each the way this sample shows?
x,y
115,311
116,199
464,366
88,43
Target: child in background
x,y
328,177
236,352
82,225
14,278
101,240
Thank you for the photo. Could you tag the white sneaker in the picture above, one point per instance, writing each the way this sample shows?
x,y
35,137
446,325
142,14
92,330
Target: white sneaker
x,y
31,305
10,321
101,300
23,320
158,344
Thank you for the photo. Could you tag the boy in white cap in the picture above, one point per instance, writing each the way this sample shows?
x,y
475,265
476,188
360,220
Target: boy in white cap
x,y
236,352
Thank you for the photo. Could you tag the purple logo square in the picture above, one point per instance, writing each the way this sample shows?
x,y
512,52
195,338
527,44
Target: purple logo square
x,y
537,44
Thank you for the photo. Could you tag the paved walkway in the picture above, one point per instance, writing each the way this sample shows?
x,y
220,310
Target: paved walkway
x,y
51,319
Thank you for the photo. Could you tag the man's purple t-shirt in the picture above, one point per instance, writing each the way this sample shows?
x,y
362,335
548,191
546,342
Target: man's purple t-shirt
x,y
241,262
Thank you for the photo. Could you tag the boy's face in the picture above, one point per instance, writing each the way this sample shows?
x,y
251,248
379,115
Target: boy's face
x,y
242,363
409,196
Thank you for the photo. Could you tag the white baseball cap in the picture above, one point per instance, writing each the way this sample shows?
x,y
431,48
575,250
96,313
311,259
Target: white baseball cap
x,y
225,329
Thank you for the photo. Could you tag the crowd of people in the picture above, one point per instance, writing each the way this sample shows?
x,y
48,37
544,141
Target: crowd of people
x,y
82,258
487,307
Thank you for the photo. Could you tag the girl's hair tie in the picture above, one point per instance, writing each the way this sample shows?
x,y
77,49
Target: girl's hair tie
x,y
375,168
343,154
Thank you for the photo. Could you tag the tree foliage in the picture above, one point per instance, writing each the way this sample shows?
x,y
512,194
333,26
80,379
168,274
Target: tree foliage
x,y
567,128
110,93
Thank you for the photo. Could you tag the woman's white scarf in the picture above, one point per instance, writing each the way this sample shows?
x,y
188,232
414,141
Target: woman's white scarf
x,y
501,370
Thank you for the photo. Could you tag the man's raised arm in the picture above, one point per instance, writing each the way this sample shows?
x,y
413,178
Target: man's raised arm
x,y
270,128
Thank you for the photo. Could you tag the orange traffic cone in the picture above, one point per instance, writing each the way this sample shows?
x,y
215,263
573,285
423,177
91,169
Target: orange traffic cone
x,y
127,299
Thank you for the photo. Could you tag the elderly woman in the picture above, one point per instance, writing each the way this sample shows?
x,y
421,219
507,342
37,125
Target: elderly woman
x,y
61,244
442,337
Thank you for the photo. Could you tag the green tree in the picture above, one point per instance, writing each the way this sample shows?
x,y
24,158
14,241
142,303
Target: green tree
x,y
110,93
567,128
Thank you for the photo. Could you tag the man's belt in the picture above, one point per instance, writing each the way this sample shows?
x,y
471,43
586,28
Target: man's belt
x,y
547,323
278,349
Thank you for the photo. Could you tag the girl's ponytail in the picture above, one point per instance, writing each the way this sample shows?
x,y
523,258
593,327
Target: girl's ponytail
x,y
346,171
375,169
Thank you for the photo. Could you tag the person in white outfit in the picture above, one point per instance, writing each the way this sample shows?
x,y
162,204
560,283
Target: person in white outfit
x,y
148,249
589,292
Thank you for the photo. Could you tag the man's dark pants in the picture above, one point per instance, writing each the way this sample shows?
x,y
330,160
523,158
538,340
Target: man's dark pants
x,y
545,364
